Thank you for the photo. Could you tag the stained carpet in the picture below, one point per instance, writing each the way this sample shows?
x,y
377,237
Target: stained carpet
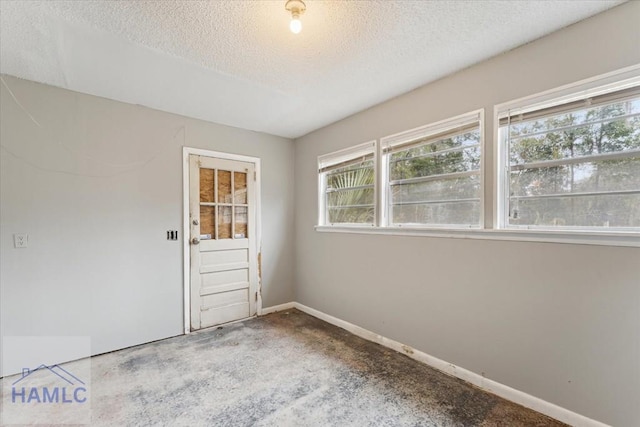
x,y
285,369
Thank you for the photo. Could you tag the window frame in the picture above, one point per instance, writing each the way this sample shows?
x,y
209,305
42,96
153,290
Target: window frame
x,y
491,186
575,92
341,156
423,132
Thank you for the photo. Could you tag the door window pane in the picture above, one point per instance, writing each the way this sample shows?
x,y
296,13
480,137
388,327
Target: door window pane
x,y
206,185
224,223
207,220
240,188
241,222
224,187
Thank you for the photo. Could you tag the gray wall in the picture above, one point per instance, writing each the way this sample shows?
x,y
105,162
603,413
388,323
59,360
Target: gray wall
x,y
558,321
96,184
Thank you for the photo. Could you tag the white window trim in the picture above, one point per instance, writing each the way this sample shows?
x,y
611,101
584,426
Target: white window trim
x,y
339,156
560,236
617,80
423,132
490,231
381,189
621,79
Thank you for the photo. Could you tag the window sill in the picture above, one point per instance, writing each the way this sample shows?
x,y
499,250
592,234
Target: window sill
x,y
561,236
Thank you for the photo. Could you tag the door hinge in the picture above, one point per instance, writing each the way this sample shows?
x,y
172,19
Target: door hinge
x,y
256,297
255,176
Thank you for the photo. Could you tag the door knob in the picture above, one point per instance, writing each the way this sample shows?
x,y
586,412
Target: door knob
x,y
195,241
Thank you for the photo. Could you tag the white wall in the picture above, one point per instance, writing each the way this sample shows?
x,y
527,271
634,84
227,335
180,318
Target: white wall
x,y
558,321
96,184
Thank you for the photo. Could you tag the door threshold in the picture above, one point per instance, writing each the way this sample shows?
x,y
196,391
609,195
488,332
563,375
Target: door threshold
x,y
221,325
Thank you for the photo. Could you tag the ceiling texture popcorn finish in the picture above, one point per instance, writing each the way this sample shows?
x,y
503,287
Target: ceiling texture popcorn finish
x,y
237,63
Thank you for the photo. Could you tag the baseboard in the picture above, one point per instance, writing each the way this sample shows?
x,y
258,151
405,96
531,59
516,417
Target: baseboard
x,y
501,390
274,308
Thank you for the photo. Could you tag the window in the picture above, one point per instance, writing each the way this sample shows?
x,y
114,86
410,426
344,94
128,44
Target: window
x,y
573,163
566,169
347,186
433,175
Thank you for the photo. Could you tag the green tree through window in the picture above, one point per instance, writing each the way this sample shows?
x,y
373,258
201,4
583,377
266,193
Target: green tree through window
x,y
577,169
350,194
436,180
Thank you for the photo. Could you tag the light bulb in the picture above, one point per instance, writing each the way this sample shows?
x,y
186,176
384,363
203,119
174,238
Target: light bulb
x,y
295,25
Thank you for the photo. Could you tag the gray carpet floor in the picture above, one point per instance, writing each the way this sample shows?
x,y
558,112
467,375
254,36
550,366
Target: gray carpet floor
x,y
285,369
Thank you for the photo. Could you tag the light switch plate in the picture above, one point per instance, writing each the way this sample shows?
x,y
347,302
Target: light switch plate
x,y
20,240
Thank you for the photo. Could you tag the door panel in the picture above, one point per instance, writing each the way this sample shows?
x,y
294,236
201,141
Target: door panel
x,y
220,315
225,277
226,287
224,267
239,296
224,257
222,210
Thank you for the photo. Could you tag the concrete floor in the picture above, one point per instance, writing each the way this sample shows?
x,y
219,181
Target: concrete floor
x,y
285,369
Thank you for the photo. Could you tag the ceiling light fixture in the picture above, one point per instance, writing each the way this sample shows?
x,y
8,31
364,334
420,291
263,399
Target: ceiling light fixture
x,y
297,8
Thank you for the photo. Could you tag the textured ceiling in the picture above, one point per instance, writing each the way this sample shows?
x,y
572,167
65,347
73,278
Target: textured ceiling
x,y
236,63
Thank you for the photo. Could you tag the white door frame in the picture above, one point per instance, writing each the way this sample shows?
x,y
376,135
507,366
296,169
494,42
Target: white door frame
x,y
186,230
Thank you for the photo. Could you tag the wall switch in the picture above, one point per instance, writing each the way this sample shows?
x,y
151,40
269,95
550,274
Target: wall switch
x,y
20,240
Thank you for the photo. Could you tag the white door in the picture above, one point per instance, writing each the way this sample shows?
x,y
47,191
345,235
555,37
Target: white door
x,y
222,218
